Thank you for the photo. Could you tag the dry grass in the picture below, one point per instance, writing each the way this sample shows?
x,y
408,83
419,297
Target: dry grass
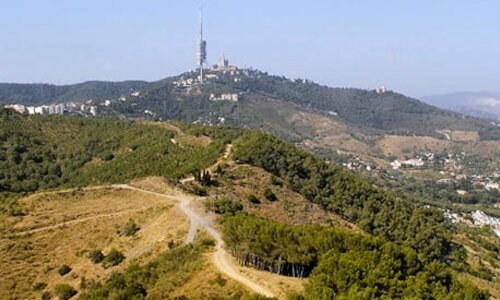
x,y
290,208
396,145
465,136
475,257
28,259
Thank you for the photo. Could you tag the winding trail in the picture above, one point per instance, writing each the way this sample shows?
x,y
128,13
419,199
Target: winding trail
x,y
75,221
220,257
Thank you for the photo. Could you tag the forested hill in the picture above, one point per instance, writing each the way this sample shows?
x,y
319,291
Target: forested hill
x,y
39,94
406,249
262,97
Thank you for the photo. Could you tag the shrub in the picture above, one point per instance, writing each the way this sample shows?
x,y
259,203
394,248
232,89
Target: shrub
x,y
64,291
107,156
39,286
253,199
199,191
171,244
63,270
96,256
130,228
224,205
46,296
114,258
275,180
270,195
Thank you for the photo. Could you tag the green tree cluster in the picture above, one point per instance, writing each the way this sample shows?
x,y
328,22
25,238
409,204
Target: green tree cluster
x,y
352,197
341,264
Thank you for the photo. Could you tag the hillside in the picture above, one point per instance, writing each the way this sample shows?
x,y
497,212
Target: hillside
x,y
406,248
369,111
39,94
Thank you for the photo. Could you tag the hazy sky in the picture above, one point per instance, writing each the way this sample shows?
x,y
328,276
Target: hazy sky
x,y
415,47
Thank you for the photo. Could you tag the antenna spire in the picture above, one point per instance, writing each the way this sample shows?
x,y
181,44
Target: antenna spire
x,y
202,48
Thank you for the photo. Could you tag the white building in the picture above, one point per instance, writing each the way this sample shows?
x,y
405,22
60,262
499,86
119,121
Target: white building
x,y
225,97
17,107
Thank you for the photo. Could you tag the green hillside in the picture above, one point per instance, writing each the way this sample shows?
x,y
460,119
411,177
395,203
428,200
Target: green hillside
x,y
405,249
385,113
40,153
39,94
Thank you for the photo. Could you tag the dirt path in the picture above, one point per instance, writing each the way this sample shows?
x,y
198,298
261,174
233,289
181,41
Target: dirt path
x,y
75,221
220,257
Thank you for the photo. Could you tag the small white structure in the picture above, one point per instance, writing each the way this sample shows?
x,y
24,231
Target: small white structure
x,y
225,97
17,107
381,90
492,186
482,219
396,164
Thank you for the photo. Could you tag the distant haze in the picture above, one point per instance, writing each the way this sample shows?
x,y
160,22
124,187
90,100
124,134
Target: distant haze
x,y
481,104
415,47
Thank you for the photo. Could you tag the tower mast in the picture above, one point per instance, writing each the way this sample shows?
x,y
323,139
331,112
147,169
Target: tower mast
x,y
202,48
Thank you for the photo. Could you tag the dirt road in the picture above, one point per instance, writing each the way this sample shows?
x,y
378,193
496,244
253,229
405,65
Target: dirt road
x,y
220,257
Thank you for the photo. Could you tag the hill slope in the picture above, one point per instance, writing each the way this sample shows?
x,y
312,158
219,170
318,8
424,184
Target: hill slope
x,y
406,241
384,113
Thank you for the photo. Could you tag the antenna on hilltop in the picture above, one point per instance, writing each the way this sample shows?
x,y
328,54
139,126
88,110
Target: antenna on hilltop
x,y
202,48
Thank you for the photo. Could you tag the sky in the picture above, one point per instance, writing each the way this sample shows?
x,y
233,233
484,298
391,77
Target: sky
x,y
418,48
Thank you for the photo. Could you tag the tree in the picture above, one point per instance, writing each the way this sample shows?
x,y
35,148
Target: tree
x,y
113,258
64,291
130,228
63,270
270,195
96,256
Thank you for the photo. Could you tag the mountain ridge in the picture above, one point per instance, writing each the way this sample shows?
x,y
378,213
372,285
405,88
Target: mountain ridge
x,y
179,97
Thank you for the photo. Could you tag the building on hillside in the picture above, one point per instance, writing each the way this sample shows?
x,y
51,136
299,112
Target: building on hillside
x,y
17,107
225,97
381,90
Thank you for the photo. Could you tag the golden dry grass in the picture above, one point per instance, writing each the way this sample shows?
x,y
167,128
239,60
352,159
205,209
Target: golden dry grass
x,y
26,259
396,145
290,208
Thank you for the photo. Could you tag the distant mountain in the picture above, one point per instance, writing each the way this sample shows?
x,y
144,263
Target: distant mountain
x,y
478,104
297,110
38,94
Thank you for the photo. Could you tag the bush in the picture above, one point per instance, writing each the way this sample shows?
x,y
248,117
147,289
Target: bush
x,y
64,291
39,286
96,256
114,258
224,205
199,191
270,195
130,228
46,296
107,156
253,199
63,270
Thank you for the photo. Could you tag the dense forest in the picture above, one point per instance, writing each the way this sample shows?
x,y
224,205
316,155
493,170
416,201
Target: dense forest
x,y
355,199
343,265
38,153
